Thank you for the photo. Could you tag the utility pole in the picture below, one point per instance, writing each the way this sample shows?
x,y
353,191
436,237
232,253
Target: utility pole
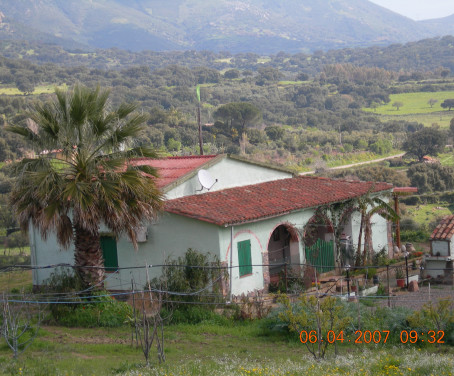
x,y
199,122
200,130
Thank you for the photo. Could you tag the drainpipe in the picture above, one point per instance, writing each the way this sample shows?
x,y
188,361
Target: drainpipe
x,y
33,255
231,263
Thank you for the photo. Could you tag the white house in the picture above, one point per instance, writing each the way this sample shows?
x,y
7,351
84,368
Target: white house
x,y
253,218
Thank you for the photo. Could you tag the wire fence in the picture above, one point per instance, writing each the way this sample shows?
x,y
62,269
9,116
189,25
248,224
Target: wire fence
x,y
385,283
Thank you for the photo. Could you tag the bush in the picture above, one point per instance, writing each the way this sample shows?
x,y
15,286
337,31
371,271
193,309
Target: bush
x,y
192,273
99,311
420,235
96,310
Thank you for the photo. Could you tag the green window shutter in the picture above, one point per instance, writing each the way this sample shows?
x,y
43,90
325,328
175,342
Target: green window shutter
x,y
244,257
109,252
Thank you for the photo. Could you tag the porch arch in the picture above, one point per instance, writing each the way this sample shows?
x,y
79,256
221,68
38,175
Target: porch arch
x,y
283,250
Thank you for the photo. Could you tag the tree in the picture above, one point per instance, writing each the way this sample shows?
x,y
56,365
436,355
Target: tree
x,y
238,115
432,101
448,103
431,177
397,104
232,73
368,206
427,141
90,181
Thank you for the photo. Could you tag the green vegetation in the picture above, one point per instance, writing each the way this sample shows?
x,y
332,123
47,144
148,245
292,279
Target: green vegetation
x,y
42,89
413,103
16,280
241,348
424,214
428,119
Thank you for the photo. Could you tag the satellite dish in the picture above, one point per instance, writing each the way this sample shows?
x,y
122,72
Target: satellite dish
x,y
206,180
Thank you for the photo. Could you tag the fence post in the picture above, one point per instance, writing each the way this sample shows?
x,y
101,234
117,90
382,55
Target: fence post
x,y
387,276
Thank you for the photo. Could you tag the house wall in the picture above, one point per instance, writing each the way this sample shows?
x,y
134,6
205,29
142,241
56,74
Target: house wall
x,y
259,233
435,268
229,173
171,237
47,252
379,231
441,247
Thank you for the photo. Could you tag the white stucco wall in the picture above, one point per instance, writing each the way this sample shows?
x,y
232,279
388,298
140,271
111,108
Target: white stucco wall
x,y
379,231
441,247
259,234
435,268
229,173
47,252
171,236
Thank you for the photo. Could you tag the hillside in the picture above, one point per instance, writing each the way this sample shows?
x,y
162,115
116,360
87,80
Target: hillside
x,y
261,26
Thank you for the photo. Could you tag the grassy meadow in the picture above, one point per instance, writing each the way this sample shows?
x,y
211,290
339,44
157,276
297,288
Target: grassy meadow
x,y
42,89
441,118
414,103
209,349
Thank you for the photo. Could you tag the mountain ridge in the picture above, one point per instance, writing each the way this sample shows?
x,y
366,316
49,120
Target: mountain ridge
x,y
261,26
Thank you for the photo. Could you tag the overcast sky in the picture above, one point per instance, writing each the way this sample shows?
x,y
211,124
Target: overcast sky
x,y
419,9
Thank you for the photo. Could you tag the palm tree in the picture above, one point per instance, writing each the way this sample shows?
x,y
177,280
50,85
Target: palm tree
x,y
81,178
368,206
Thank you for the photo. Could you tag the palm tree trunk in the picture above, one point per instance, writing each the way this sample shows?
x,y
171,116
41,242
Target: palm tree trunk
x,y
367,239
88,258
358,251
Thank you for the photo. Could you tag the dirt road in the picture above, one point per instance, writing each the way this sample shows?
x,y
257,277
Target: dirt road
x,y
358,163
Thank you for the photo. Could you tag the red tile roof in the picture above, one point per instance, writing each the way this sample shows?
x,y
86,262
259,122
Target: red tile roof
x,y
254,202
171,169
444,230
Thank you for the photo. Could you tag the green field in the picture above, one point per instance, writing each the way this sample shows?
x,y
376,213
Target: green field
x,y
424,214
43,89
442,118
415,103
210,350
446,159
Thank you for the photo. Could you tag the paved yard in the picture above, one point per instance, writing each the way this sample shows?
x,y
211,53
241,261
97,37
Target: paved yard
x,y
416,300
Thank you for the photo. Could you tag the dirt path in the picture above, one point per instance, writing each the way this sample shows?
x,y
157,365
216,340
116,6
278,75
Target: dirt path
x,y
358,163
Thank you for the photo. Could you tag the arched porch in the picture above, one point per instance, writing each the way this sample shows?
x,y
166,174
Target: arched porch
x,y
283,252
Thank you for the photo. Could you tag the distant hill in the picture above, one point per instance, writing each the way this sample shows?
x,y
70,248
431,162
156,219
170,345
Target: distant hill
x,y
261,26
442,26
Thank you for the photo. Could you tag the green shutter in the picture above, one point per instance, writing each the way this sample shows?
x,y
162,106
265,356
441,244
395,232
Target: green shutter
x,y
244,257
109,252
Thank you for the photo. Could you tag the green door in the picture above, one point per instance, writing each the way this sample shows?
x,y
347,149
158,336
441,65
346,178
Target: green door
x,y
244,257
109,252
321,255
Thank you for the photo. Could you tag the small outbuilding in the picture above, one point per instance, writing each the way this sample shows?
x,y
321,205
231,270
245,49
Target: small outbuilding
x,y
439,263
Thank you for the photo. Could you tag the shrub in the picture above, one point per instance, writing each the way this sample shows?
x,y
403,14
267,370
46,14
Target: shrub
x,y
196,278
100,311
94,309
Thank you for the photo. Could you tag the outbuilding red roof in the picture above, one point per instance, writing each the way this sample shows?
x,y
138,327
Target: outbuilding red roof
x,y
278,197
171,169
444,230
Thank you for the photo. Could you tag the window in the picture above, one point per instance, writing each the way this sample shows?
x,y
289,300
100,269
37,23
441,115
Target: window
x,y
109,252
244,257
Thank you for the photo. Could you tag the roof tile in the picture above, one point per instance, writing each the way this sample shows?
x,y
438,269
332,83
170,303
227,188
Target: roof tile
x,y
444,230
171,169
254,202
